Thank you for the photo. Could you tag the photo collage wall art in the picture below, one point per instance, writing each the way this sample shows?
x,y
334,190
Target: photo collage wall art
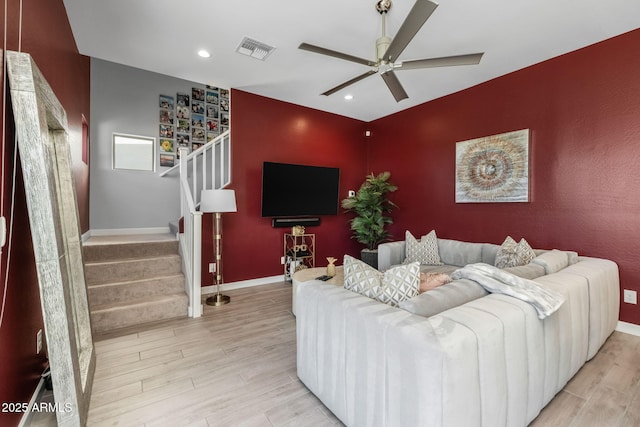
x,y
191,120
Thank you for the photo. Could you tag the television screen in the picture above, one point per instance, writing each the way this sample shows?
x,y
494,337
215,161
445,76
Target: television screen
x,y
290,190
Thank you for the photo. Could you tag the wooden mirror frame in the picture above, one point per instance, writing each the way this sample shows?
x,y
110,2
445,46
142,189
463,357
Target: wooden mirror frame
x,y
43,144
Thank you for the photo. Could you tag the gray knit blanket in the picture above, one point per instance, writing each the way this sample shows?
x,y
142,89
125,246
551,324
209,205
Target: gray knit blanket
x,y
495,280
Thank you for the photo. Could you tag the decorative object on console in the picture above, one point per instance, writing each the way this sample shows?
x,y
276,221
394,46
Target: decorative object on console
x,y
371,206
424,251
218,201
331,268
299,253
391,287
493,168
512,254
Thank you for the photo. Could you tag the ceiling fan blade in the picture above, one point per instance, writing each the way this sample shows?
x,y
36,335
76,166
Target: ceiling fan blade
x,y
420,12
446,61
335,54
349,83
394,85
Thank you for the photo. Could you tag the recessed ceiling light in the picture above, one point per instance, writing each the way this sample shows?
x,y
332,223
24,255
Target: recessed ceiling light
x,y
348,97
203,53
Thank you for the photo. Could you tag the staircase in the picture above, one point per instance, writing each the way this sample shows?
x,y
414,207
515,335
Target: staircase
x,y
133,282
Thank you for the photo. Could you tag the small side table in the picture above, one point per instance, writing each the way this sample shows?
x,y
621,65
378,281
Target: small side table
x,y
307,274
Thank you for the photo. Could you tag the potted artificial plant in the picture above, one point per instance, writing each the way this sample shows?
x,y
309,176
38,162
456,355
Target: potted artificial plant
x,y
371,206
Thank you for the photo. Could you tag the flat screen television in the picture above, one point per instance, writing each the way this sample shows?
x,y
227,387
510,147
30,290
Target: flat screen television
x,y
290,190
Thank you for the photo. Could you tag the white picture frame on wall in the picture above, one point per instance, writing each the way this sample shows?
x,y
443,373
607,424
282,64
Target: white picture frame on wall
x,y
134,152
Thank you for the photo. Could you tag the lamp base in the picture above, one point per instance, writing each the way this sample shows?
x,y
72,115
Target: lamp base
x,y
218,299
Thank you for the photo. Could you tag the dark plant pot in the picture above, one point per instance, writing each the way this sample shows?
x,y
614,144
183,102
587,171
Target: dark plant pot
x,y
370,256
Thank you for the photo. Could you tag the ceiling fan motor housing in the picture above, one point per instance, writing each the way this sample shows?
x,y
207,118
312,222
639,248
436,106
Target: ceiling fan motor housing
x,y
382,44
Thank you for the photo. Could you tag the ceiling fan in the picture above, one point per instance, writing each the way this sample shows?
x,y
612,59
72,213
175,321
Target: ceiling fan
x,y
388,50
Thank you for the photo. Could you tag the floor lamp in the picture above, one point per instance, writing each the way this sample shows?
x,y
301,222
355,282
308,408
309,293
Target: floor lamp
x,y
218,201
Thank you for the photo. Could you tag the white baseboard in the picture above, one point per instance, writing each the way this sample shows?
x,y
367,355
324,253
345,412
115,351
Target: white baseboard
x,y
243,284
85,236
628,328
124,231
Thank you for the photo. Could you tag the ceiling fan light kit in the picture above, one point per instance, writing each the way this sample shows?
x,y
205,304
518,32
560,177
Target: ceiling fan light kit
x,y
388,50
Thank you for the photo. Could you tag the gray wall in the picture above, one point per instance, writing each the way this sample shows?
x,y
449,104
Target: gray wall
x,y
125,100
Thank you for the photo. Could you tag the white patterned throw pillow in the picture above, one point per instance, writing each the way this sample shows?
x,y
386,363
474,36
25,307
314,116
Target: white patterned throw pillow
x,y
391,287
360,277
425,251
512,254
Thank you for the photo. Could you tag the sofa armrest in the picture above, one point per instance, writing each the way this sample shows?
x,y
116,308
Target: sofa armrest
x,y
391,253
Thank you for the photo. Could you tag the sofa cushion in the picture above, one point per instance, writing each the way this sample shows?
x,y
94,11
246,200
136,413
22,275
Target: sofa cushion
x,y
512,254
391,287
424,251
429,281
573,257
446,269
443,298
456,252
489,252
529,271
552,261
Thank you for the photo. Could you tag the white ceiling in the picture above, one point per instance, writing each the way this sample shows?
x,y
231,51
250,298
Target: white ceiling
x,y
164,35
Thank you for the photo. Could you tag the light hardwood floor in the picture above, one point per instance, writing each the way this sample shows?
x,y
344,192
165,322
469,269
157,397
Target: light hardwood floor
x,y
236,366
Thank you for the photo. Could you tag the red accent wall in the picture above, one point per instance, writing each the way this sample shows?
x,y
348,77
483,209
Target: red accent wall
x,y
47,36
583,110
268,130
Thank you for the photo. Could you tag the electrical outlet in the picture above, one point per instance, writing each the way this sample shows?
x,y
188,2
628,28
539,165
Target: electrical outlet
x,y
282,260
39,341
212,267
630,297
352,193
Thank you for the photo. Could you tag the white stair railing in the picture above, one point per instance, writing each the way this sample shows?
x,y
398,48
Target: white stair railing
x,y
209,167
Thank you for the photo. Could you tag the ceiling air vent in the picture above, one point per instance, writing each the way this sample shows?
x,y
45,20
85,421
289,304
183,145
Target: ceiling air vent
x,y
254,48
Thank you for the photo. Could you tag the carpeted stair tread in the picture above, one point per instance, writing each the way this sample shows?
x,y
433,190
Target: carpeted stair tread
x,y
134,250
107,317
133,289
138,302
125,282
132,259
132,269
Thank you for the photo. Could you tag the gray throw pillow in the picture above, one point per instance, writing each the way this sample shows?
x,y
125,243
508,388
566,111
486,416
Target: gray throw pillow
x,y
552,261
423,251
512,254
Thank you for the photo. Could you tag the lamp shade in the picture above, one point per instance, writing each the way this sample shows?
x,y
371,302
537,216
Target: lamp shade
x,y
218,201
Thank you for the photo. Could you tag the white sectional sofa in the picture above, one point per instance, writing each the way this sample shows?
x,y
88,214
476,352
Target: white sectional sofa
x,y
481,360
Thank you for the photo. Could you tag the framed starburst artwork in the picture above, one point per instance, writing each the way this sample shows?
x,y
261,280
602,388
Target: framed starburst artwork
x,y
493,168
